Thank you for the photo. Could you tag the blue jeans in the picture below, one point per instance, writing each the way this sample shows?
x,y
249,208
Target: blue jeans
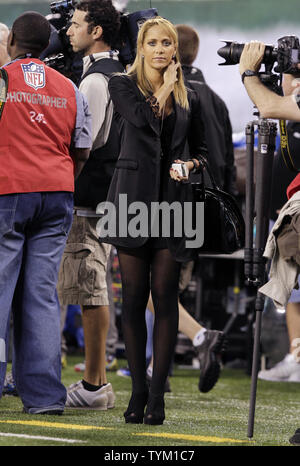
x,y
33,233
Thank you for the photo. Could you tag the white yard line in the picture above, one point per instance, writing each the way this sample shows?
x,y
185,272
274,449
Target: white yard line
x,y
40,437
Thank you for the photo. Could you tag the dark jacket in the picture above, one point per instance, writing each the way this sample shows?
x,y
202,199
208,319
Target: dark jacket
x,y
138,169
193,73
218,130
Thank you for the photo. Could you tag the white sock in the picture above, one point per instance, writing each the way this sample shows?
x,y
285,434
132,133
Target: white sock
x,y
199,337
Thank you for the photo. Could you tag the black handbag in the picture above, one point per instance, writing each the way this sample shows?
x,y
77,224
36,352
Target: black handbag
x,y
224,226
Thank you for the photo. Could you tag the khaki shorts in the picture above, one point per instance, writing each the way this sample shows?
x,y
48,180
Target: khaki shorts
x,y
82,275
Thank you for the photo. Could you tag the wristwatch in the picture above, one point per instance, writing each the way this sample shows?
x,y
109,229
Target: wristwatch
x,y
248,73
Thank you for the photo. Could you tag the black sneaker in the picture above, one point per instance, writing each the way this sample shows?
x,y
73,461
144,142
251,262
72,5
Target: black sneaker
x,y
295,440
208,354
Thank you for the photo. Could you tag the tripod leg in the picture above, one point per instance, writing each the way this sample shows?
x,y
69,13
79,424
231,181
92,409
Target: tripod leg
x,y
249,202
255,366
266,146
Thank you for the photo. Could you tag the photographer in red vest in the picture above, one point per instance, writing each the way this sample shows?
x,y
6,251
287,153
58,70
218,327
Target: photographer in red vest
x,y
45,140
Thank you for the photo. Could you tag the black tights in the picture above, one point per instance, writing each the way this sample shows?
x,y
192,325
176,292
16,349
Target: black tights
x,y
143,270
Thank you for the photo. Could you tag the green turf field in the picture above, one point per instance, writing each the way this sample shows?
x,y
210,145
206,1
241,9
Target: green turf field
x,y
219,417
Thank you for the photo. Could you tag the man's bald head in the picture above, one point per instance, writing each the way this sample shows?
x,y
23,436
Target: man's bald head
x,y
31,32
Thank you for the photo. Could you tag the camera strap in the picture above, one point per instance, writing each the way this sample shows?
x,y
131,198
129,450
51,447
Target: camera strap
x,y
285,150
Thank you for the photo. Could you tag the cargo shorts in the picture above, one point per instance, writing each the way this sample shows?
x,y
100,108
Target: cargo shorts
x,y
82,275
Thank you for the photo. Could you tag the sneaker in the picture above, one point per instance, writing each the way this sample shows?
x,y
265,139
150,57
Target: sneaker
x,y
209,357
108,388
295,377
111,397
71,387
9,387
287,370
123,372
80,398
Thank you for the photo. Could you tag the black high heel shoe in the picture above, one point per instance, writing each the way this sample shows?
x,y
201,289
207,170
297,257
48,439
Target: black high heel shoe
x,y
135,411
155,412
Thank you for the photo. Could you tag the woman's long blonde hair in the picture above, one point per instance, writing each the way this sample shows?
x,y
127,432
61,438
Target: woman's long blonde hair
x,y
137,70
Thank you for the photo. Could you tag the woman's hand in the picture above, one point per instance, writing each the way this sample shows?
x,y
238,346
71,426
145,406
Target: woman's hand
x,y
170,75
169,79
174,173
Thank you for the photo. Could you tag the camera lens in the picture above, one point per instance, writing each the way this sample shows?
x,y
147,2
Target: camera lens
x,y
231,52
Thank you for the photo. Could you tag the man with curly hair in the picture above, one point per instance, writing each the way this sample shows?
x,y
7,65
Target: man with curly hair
x,y
82,281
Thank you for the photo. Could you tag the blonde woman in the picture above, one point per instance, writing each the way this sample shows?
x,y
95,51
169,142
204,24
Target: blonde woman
x,y
157,115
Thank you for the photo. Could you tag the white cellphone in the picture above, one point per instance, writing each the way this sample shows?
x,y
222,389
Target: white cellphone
x,y
180,168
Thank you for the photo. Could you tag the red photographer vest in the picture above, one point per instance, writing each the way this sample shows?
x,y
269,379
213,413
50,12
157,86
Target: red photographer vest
x,y
37,119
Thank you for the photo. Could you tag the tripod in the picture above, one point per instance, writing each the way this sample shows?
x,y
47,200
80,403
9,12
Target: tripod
x,y
258,202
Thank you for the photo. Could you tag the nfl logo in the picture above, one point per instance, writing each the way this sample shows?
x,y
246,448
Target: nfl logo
x,y
34,75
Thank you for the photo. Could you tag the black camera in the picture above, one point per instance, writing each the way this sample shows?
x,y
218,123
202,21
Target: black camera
x,y
130,26
59,53
63,7
286,54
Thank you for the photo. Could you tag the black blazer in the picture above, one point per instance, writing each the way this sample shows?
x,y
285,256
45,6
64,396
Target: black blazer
x,y
138,169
